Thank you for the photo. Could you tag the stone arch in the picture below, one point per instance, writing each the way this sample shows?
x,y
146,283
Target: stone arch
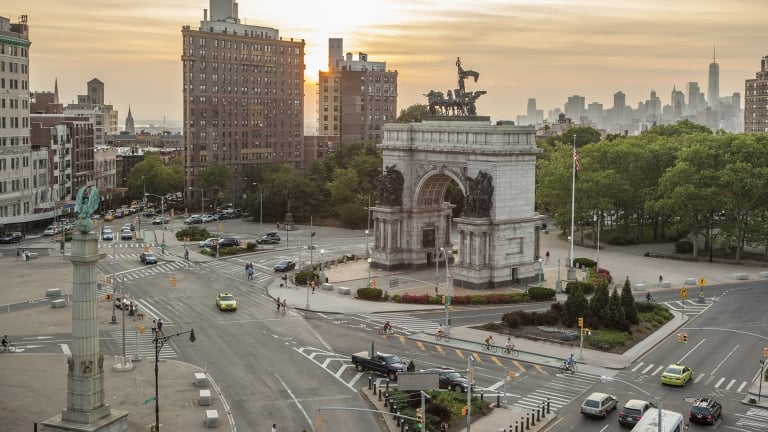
x,y
497,241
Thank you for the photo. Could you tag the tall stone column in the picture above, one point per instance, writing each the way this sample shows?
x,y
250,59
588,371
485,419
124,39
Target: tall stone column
x,y
86,409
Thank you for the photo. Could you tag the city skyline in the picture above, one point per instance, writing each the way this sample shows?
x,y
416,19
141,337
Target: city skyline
x,y
529,49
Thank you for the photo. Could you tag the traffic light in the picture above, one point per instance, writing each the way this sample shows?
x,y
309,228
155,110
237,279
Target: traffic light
x,y
679,337
581,322
109,279
683,293
464,411
685,338
173,281
765,352
587,332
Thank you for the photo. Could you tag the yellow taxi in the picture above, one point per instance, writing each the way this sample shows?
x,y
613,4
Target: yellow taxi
x,y
676,375
226,301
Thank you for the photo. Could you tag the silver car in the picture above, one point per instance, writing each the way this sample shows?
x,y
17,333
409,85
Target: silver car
x,y
598,405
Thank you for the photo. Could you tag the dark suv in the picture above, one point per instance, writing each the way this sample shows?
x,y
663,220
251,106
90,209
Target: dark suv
x,y
12,237
229,242
705,410
269,238
450,379
633,411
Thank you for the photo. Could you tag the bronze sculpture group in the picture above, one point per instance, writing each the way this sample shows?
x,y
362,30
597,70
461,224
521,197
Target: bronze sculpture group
x,y
458,102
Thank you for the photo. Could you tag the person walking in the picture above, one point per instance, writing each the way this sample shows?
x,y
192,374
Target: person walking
x,y
159,326
250,272
154,327
278,304
285,305
274,427
546,256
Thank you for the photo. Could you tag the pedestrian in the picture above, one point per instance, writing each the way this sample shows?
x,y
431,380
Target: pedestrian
x,y
186,253
546,256
444,427
154,326
661,279
285,305
274,427
278,304
131,310
250,273
159,326
313,284
23,255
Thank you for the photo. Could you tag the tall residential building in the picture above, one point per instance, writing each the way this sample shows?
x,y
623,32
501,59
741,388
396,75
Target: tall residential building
x,y
355,97
91,105
713,87
243,94
695,98
16,168
575,107
756,100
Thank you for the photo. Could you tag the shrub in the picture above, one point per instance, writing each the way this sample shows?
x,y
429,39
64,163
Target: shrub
x,y
607,339
541,293
415,298
584,262
373,294
557,307
303,277
621,240
193,233
251,246
397,298
586,287
684,246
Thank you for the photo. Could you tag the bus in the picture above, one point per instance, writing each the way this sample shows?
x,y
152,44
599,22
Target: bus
x,y
671,421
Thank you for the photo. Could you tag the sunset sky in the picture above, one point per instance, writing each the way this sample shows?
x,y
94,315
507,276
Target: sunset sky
x,y
547,49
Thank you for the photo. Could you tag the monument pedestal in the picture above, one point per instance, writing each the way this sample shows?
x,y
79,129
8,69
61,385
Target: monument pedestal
x,y
114,421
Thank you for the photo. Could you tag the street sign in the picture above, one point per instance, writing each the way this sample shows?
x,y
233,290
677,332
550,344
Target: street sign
x,y
683,293
701,281
417,381
150,399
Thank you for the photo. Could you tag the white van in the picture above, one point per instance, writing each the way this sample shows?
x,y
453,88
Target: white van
x,y
671,421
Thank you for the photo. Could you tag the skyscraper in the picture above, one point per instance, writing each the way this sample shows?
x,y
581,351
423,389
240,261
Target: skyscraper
x,y
243,94
713,88
756,100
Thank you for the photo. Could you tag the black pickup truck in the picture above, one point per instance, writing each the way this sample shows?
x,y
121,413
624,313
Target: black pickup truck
x,y
385,364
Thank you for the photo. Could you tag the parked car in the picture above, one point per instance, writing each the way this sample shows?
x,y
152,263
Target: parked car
x,y
150,213
269,238
128,226
598,405
159,220
50,230
705,411
677,375
12,237
633,411
229,242
209,243
148,258
450,379
193,220
285,265
109,217
126,234
106,234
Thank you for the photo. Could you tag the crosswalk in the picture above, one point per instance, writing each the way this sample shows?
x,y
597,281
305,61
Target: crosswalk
x,y
755,419
643,371
140,344
689,307
561,390
119,244
401,322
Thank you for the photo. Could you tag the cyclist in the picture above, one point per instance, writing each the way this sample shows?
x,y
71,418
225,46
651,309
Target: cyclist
x,y
6,342
489,341
648,297
569,362
387,326
509,346
440,331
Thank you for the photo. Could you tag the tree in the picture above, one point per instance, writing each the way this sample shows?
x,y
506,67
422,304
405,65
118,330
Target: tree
x,y
682,127
628,303
154,176
216,181
413,114
576,306
344,187
614,314
599,303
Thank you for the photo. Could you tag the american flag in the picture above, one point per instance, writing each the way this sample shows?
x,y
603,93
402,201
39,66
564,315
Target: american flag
x,y
576,160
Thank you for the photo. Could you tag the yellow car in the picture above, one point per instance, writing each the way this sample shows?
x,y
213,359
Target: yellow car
x,y
676,375
226,301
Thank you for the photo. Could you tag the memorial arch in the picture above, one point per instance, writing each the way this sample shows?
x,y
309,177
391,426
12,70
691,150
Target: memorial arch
x,y
497,235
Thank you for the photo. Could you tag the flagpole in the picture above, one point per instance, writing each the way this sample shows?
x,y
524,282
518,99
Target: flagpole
x,y
573,203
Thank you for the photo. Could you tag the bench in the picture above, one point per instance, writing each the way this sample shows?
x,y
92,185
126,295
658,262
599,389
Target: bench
x,y
690,281
640,287
58,303
211,418
666,284
763,275
740,276
326,286
32,255
344,290
204,398
201,379
53,292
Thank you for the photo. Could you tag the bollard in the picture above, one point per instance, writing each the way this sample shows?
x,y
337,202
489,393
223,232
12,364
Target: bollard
x,y
379,395
538,414
533,418
386,400
374,388
527,421
516,429
406,427
397,417
370,381
391,406
481,395
547,405
387,381
498,399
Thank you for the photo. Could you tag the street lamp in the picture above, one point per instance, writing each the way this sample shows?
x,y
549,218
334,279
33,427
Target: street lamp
x,y
311,250
447,290
607,379
541,270
202,198
322,266
159,342
369,272
162,210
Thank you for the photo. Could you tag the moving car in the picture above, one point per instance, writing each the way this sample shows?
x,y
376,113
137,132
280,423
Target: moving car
x,y
229,242
598,405
285,265
226,301
106,234
705,411
208,243
148,258
109,217
632,411
671,421
159,220
676,374
50,230
388,365
193,220
12,237
126,234
450,379
269,238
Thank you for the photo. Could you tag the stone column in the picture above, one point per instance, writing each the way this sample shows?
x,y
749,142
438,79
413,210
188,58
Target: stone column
x,y
86,409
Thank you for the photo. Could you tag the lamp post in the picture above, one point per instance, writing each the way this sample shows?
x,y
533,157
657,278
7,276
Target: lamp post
x,y
114,286
159,342
162,210
541,270
607,379
447,291
369,272
311,250
322,266
368,227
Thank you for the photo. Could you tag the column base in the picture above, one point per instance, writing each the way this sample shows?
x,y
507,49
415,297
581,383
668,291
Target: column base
x,y
113,421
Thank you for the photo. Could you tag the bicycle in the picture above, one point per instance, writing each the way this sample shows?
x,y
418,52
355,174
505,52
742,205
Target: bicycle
x,y
565,367
489,347
443,337
387,332
510,351
11,347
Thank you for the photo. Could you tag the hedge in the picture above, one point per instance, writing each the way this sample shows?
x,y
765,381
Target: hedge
x,y
373,294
